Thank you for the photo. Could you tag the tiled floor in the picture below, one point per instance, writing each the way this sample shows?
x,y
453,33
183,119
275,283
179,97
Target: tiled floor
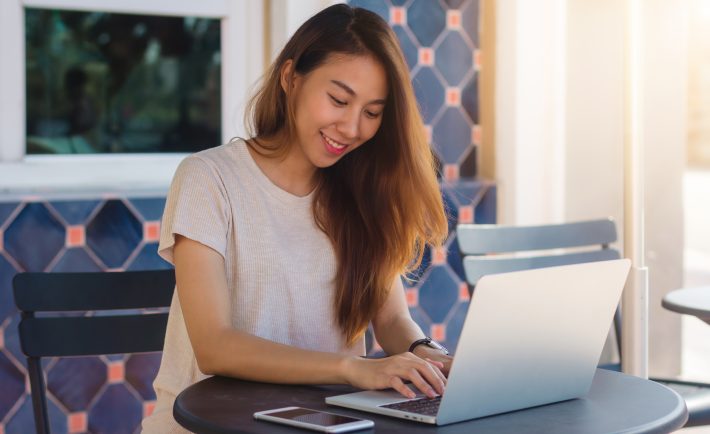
x,y
696,334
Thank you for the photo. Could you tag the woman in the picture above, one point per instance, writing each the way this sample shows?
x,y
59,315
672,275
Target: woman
x,y
286,246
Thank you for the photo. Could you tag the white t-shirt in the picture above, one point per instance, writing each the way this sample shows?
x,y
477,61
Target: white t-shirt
x,y
280,266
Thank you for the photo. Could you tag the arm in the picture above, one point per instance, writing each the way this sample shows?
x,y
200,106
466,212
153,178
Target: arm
x,y
221,350
395,329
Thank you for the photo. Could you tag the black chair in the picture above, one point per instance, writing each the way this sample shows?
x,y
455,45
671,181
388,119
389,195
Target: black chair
x,y
490,249
57,332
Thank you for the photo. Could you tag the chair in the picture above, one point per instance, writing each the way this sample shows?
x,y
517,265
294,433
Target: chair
x,y
491,249
50,335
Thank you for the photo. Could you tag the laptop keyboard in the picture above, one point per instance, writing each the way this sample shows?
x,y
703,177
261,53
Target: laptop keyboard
x,y
425,406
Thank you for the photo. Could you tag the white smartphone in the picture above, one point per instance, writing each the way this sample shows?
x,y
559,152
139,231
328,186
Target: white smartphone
x,y
314,419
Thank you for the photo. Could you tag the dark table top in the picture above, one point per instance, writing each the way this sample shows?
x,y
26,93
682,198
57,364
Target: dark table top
x,y
615,403
691,301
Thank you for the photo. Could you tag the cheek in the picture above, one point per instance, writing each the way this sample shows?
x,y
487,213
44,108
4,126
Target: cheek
x,y
370,128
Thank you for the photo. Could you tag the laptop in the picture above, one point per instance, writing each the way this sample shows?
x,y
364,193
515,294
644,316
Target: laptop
x,y
530,338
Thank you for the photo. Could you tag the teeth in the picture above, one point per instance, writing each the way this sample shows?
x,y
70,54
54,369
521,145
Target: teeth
x,y
333,143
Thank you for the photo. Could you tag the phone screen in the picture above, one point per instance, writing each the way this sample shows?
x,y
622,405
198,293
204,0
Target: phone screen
x,y
314,417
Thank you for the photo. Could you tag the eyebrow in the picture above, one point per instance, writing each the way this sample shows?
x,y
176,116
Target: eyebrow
x,y
351,92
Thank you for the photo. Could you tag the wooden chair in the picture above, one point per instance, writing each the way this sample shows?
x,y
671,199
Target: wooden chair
x,y
491,249
108,333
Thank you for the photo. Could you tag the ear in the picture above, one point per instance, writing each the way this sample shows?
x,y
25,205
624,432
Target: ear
x,y
286,73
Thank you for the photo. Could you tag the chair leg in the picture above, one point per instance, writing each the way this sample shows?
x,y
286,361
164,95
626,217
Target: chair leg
x,y
39,397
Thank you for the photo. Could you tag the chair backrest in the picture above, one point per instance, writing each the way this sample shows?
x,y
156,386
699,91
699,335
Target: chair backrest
x,y
125,328
488,249
491,249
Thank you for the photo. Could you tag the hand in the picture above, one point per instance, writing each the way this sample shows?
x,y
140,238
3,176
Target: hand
x,y
374,374
434,355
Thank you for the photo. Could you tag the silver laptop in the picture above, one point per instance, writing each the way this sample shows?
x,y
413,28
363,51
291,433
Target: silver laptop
x,y
530,338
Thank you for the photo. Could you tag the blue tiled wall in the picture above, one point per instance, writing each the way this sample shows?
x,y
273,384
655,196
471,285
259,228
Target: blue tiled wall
x,y
108,394
111,394
440,41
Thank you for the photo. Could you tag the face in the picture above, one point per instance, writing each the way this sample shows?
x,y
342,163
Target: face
x,y
338,107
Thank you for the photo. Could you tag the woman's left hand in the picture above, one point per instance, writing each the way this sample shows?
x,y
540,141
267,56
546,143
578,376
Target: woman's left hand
x,y
438,357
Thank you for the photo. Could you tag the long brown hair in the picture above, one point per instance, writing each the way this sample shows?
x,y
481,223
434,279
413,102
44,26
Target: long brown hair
x,y
380,205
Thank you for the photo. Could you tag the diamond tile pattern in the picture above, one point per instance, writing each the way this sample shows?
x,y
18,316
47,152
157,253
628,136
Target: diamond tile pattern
x,y
34,234
427,20
62,377
114,233
454,58
36,225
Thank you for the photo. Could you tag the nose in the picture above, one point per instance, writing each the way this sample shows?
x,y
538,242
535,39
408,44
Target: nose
x,y
349,125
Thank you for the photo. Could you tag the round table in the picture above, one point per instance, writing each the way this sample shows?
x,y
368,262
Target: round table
x,y
615,403
691,301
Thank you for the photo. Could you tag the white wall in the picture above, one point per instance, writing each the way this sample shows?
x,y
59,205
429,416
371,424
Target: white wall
x,y
530,92
575,90
665,135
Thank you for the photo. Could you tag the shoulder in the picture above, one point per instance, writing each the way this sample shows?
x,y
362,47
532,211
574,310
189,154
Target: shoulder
x,y
213,161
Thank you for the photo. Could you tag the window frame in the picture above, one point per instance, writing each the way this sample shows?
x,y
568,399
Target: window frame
x,y
242,37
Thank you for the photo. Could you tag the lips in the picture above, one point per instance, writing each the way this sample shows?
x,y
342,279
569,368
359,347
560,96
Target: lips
x,y
335,148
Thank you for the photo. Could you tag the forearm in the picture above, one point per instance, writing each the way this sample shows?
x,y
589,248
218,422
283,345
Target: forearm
x,y
241,355
396,335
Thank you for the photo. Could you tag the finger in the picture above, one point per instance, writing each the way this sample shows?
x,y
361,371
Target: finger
x,y
432,375
439,372
426,386
438,364
397,384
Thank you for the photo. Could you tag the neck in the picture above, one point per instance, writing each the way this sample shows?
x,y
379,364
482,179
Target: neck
x,y
291,172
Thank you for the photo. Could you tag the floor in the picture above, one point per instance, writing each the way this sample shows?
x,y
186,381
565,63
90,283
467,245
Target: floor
x,y
696,334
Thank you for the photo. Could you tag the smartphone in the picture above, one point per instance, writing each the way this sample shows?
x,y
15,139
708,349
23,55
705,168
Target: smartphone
x,y
315,420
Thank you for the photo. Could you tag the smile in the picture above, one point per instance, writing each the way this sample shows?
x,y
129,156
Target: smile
x,y
332,146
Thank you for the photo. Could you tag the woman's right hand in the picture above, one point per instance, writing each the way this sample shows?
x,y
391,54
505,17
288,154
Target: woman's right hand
x,y
393,371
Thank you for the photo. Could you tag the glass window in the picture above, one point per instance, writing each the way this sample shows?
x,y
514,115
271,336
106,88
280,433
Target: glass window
x,y
119,83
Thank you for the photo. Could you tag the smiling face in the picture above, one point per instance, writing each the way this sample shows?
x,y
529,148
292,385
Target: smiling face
x,y
338,107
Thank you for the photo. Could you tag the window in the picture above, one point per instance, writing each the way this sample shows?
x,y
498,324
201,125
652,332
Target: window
x,y
239,65
99,82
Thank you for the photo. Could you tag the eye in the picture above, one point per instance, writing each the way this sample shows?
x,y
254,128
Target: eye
x,y
336,101
372,115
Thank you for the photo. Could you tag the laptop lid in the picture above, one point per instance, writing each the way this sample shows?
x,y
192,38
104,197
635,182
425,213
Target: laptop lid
x,y
532,337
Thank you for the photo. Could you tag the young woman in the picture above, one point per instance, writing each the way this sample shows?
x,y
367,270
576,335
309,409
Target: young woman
x,y
287,245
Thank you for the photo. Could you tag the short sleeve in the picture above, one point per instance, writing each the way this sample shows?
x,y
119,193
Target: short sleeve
x,y
196,208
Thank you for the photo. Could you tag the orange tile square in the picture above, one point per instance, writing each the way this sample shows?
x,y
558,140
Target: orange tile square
x,y
76,236
148,408
453,19
451,172
466,214
476,135
439,256
477,60
116,372
438,332
463,292
77,422
398,16
453,96
151,231
412,297
426,56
